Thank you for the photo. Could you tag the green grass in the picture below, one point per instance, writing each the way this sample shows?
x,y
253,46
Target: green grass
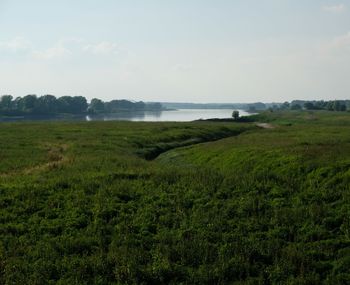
x,y
170,203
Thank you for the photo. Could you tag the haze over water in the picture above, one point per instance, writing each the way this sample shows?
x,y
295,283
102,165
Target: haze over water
x,y
181,115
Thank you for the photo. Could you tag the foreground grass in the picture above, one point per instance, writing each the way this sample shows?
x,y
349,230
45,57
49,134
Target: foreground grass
x,y
133,203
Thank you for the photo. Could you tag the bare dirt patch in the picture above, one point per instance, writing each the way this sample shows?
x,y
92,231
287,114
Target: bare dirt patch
x,y
265,126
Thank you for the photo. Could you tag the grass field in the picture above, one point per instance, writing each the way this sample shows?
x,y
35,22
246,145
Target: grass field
x,y
177,203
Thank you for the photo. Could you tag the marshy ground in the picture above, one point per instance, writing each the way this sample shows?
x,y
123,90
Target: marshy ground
x,y
170,203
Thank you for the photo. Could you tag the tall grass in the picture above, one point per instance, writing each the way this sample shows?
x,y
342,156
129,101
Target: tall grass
x,y
81,204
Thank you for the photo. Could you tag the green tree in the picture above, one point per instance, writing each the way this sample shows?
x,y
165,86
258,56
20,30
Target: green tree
x,y
6,102
28,103
342,108
285,106
72,105
47,104
296,107
309,106
235,115
80,104
96,106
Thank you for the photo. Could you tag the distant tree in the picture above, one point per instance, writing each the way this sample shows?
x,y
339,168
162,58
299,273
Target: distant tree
x,y
17,104
338,106
330,106
256,106
296,107
252,109
80,105
124,105
154,106
6,102
139,106
97,106
309,106
235,115
285,106
72,105
46,104
28,103
64,104
320,105
342,108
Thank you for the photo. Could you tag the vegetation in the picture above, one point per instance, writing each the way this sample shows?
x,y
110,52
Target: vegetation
x,y
336,105
97,106
50,105
177,203
203,105
235,115
330,105
44,105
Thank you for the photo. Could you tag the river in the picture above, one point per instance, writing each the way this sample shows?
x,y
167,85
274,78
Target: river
x,y
181,115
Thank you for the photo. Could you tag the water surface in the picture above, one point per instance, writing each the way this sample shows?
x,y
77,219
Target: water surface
x,y
181,115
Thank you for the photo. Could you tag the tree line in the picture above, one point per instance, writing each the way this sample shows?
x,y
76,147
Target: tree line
x,y
97,106
334,105
50,105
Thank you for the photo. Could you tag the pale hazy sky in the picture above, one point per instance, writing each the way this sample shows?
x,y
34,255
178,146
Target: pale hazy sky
x,y
176,50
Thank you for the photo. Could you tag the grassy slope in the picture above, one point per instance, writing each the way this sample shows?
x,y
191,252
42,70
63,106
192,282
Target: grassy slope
x,y
79,204
289,187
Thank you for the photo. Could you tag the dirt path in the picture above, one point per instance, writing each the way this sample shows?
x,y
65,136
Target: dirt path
x,y
55,157
265,126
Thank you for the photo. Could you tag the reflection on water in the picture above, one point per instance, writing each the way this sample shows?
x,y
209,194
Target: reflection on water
x,y
126,116
182,115
43,118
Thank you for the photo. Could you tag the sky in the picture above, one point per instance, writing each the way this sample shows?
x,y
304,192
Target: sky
x,y
176,50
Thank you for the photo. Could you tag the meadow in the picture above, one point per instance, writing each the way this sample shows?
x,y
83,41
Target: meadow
x,y
177,203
